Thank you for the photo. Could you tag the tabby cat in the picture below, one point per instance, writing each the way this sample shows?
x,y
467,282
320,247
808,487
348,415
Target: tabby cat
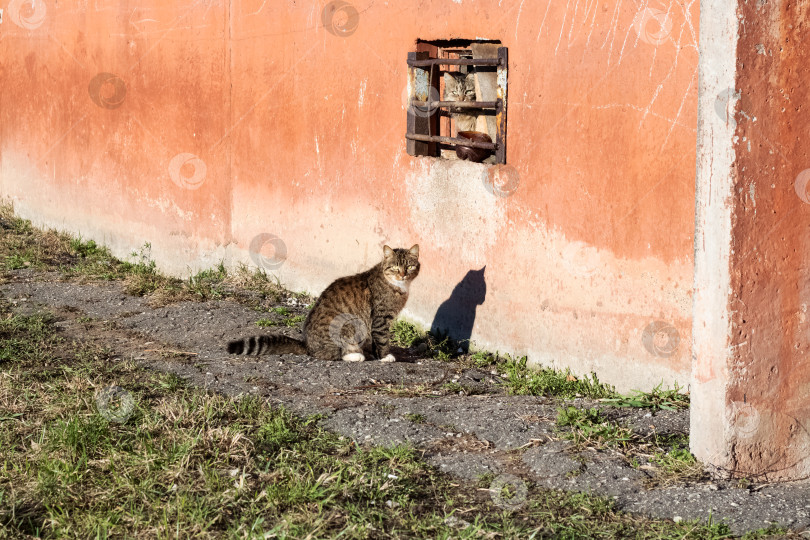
x,y
337,327
461,87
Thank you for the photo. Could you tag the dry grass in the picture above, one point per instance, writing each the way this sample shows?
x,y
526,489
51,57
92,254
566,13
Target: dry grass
x,y
210,466
23,246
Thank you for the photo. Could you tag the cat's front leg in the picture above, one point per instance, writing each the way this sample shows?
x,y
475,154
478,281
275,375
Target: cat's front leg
x,y
380,336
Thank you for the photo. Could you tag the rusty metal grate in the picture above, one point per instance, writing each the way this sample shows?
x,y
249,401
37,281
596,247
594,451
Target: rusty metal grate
x,y
425,106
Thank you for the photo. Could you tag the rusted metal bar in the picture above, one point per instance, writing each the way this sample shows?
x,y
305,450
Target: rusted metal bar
x,y
420,84
458,104
454,62
451,140
500,110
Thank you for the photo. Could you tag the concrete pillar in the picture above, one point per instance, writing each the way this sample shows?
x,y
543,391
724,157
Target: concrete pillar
x,y
751,363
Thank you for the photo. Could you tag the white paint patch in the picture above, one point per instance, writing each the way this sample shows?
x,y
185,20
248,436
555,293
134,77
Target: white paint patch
x,y
166,205
502,79
451,208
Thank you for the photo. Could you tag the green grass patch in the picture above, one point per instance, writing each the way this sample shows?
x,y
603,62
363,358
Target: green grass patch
x,y
406,334
142,276
208,284
658,398
522,380
675,467
293,321
676,461
438,346
288,321
675,464
589,427
483,359
25,337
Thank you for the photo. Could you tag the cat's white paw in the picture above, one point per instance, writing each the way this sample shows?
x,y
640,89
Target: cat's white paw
x,y
354,357
388,358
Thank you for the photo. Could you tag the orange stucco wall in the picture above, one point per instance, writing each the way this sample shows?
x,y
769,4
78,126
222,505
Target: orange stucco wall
x,y
214,122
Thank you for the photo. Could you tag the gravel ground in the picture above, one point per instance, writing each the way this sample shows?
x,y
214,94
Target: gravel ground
x,y
488,433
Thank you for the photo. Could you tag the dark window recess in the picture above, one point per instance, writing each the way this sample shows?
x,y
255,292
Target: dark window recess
x,y
472,127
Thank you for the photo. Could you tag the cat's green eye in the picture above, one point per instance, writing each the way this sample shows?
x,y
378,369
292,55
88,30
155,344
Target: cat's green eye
x,y
411,267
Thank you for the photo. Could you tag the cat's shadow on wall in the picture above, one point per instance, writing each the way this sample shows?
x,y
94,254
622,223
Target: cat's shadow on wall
x,y
456,315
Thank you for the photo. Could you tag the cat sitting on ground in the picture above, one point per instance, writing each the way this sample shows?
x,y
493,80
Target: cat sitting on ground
x,y
461,87
352,317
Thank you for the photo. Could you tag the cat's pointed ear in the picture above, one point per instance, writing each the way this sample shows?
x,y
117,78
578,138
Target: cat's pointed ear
x,y
414,250
388,252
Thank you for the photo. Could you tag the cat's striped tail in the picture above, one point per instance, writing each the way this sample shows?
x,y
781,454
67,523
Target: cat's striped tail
x,y
267,345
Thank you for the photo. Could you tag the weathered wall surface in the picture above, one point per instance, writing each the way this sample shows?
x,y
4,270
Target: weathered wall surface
x,y
770,378
751,405
207,127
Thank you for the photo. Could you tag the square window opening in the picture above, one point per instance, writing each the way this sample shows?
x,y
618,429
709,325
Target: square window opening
x,y
457,100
